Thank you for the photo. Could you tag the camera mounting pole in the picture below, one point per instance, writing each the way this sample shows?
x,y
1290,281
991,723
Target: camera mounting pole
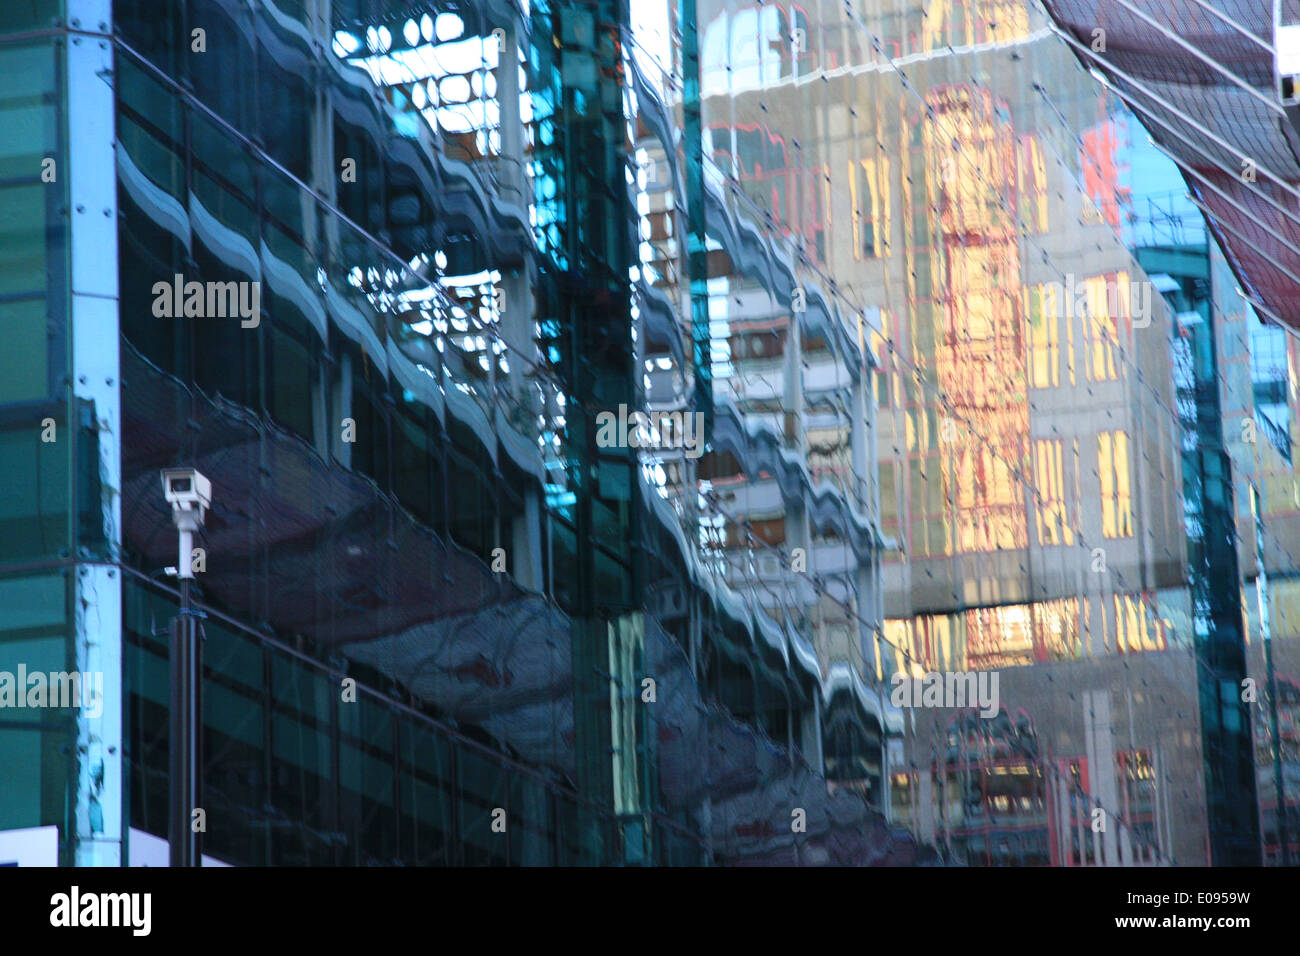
x,y
190,494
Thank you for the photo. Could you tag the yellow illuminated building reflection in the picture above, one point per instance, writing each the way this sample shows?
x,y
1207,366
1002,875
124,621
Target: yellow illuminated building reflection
x,y
979,345
1116,493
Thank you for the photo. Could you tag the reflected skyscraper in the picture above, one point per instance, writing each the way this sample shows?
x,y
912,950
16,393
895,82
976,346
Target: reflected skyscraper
x,y
965,180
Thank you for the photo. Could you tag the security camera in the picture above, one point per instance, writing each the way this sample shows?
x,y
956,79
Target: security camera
x,y
190,495
186,489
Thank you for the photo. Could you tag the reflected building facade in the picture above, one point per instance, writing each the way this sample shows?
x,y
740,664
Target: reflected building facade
x,y
976,197
448,618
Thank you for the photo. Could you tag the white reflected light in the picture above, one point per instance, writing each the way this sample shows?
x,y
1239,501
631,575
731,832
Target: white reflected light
x,y
449,26
345,44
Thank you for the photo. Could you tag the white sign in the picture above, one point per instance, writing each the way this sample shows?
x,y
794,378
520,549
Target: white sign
x,y
35,846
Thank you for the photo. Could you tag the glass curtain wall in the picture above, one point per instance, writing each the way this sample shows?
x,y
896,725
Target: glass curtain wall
x,y
953,175
567,649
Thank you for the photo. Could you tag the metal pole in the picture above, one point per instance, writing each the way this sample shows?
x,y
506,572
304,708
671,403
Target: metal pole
x,y
185,727
190,494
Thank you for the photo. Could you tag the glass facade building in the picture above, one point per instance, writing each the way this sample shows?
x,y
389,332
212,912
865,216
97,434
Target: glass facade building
x,y
605,403
384,272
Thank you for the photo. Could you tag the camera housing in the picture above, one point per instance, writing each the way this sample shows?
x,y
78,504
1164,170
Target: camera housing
x,y
187,490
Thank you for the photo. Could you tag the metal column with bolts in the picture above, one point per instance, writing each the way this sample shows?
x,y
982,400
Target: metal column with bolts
x,y
189,495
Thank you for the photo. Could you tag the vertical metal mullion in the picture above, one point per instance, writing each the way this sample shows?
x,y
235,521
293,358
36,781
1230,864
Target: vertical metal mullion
x,y
554,800
455,853
336,773
509,807
268,718
58,235
396,764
